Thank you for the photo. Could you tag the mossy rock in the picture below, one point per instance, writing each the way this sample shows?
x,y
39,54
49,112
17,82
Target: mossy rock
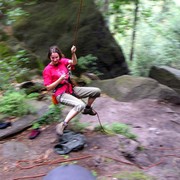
x,y
129,88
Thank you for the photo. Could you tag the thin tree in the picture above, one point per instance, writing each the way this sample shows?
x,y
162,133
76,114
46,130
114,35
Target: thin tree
x,y
136,11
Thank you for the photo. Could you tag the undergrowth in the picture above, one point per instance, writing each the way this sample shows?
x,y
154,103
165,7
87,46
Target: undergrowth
x,y
77,126
52,115
14,104
117,128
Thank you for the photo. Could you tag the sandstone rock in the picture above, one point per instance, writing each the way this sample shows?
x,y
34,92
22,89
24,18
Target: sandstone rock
x,y
129,88
166,75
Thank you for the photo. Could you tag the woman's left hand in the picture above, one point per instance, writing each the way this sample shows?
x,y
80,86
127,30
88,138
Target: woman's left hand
x,y
73,49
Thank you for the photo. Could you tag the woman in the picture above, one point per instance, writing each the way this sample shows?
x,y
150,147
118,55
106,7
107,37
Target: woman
x,y
56,78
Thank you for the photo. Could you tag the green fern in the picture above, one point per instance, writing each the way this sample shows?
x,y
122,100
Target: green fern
x,y
14,104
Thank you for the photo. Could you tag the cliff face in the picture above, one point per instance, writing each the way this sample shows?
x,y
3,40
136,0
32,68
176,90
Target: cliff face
x,y
54,22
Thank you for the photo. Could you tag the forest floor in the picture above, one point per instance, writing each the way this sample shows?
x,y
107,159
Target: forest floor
x,y
35,158
98,156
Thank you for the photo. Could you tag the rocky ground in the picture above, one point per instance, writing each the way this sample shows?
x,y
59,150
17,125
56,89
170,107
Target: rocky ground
x,y
155,152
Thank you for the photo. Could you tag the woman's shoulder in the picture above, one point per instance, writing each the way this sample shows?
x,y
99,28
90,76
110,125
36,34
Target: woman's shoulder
x,y
63,59
48,67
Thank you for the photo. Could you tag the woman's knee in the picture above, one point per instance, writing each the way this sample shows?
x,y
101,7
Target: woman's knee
x,y
80,106
96,92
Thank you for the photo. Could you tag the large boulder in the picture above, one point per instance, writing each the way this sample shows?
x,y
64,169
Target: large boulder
x,y
166,75
55,22
128,88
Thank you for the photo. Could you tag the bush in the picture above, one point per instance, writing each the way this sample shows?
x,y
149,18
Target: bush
x,y
87,64
14,104
12,67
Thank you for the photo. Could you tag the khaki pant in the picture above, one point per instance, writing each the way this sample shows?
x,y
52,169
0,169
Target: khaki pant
x,y
79,93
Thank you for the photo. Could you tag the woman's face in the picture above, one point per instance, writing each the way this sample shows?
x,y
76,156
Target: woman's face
x,y
54,58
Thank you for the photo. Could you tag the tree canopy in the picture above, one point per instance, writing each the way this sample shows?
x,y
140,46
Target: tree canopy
x,y
153,34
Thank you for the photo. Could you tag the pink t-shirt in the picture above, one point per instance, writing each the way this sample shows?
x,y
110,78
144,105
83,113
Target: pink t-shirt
x,y
52,73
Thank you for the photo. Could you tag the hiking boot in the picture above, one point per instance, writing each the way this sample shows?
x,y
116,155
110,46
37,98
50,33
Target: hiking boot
x,y
60,128
89,111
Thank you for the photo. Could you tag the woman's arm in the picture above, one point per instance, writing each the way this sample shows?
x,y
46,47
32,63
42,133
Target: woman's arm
x,y
74,58
55,83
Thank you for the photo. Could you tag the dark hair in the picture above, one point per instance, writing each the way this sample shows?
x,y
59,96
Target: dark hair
x,y
55,49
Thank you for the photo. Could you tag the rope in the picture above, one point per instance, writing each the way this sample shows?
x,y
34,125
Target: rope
x,y
75,42
45,161
77,23
100,123
57,161
60,160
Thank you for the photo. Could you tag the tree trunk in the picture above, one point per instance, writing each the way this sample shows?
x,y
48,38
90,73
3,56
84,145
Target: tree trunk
x,y
134,29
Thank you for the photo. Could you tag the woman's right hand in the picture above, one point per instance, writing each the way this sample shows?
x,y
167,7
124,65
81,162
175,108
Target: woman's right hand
x,y
63,76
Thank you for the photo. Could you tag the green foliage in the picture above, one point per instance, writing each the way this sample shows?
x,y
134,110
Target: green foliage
x,y
14,104
157,43
12,11
87,64
33,95
11,66
136,175
14,14
119,128
157,38
53,115
36,125
119,15
98,128
140,148
78,126
116,128
94,173
122,12
4,50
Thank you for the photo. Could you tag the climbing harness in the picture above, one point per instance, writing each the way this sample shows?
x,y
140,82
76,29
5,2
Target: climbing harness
x,y
54,100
